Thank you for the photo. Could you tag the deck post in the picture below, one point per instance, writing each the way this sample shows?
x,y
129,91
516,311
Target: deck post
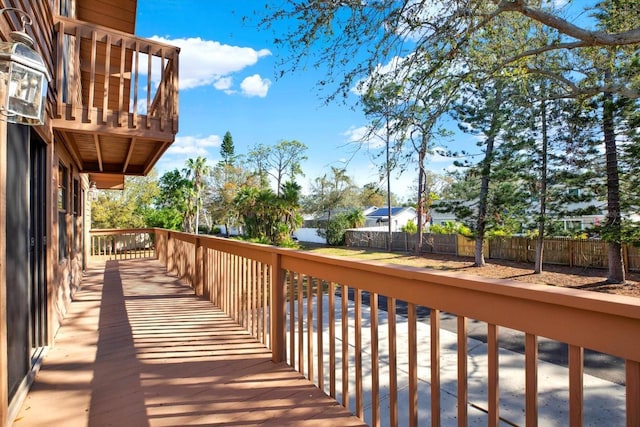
x,y
278,310
198,285
169,253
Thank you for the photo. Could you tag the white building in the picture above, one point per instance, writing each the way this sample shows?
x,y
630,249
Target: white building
x,y
400,216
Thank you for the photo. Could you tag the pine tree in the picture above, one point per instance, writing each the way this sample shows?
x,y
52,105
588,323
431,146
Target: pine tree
x,y
227,150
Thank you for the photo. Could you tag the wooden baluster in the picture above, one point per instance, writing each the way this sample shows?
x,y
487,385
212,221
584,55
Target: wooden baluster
x,y
393,364
463,391
122,115
576,393
310,328
278,328
60,42
292,320
136,76
319,329
435,366
493,374
413,365
300,326
92,76
358,353
107,75
632,372
332,339
375,358
149,76
531,380
344,300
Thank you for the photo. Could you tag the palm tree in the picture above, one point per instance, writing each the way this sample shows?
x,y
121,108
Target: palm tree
x,y
197,169
356,218
290,204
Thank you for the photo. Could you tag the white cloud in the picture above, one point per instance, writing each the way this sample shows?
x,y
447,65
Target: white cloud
x,y
356,134
255,86
186,147
417,11
557,4
439,155
207,62
193,146
387,73
224,83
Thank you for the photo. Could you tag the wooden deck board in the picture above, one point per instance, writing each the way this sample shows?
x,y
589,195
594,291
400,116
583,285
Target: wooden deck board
x,y
137,348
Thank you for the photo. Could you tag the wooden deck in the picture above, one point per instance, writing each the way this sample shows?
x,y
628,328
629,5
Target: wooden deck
x,y
139,349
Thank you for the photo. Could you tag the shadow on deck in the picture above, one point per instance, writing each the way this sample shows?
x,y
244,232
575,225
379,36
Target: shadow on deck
x,y
137,348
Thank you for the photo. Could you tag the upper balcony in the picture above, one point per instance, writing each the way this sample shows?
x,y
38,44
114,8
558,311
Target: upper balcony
x,y
117,99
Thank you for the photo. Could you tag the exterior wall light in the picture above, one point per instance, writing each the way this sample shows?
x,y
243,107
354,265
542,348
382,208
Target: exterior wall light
x,y
25,76
93,192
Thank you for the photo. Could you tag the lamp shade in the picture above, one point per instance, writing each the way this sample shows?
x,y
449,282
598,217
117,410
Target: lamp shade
x,y
27,80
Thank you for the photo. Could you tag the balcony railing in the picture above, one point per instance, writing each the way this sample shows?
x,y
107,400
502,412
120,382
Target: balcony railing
x,y
365,333
111,78
122,244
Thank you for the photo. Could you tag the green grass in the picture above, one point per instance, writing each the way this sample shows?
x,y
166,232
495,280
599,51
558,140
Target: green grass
x,y
383,256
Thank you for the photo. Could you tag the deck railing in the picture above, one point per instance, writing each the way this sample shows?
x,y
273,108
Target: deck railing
x,y
122,244
362,332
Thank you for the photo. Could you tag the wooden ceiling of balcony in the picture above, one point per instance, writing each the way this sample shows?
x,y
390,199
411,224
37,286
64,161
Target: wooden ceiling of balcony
x,y
117,14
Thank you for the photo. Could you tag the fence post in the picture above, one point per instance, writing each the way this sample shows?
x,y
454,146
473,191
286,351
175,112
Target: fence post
x,y
278,310
571,253
625,257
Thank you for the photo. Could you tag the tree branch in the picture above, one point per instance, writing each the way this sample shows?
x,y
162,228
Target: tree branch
x,y
590,38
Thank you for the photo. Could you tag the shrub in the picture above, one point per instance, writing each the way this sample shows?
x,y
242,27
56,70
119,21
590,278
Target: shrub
x,y
410,227
451,227
334,231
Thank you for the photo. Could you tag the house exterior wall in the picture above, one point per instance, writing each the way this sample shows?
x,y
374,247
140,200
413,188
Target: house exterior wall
x,y
56,203
309,235
63,265
67,257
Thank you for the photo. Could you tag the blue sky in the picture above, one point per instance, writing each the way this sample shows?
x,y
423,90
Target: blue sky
x,y
227,83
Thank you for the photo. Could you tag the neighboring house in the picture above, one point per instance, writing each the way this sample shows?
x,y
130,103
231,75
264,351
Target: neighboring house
x,y
319,221
440,218
375,219
105,117
309,230
379,218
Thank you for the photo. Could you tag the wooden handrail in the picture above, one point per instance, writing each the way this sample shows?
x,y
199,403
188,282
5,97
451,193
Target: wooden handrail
x,y
270,291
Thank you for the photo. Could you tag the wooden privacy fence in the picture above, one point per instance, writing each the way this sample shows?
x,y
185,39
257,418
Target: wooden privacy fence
x,y
574,253
366,332
431,243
